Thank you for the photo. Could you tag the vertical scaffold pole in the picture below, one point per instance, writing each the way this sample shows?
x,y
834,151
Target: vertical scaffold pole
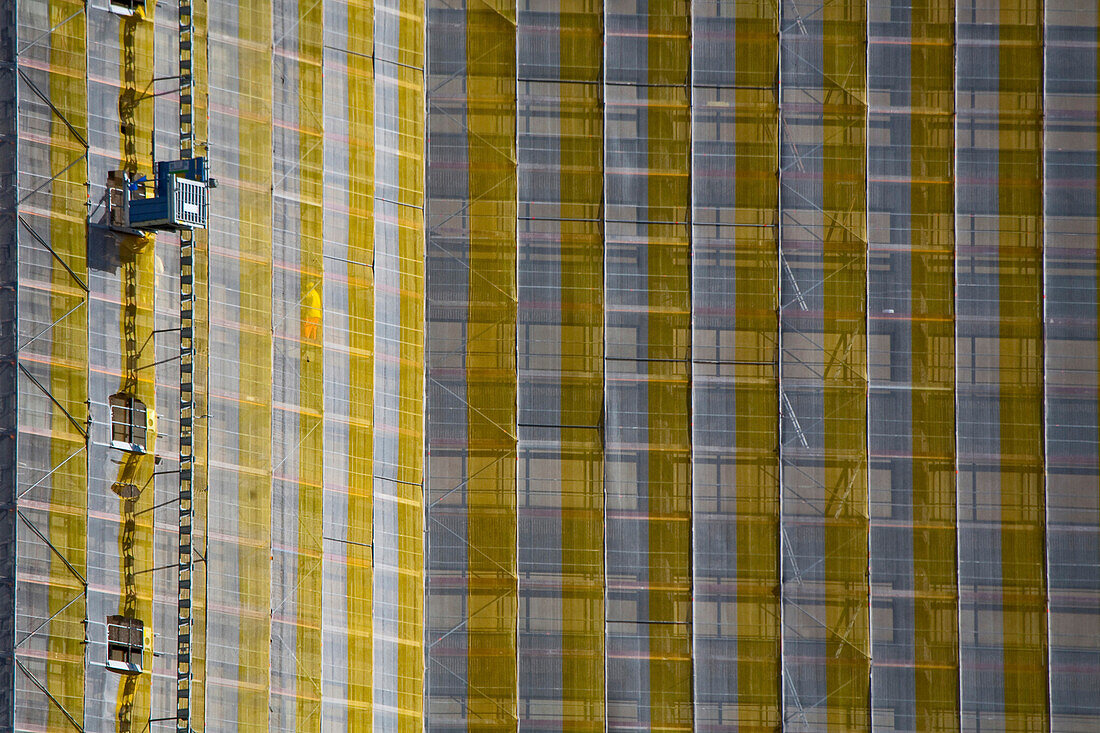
x,y
187,398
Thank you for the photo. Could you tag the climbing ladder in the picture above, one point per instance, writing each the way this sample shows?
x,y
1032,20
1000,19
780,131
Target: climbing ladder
x,y
187,397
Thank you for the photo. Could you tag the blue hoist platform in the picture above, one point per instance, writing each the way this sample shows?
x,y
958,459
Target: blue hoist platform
x,y
179,199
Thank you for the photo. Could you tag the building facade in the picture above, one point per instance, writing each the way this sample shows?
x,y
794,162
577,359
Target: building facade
x,y
576,364
307,580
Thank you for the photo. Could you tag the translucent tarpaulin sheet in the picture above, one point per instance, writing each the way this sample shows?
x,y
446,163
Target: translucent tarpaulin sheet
x,y
472,592
560,386
52,471
823,365
760,381
999,366
911,358
309,380
1070,348
735,479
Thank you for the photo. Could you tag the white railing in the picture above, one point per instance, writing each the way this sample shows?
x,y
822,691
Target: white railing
x,y
188,202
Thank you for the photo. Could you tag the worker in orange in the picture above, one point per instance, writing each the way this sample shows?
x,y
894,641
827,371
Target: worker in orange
x,y
311,315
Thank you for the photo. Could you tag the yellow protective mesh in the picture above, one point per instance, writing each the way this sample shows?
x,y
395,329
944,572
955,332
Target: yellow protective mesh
x,y
932,254
61,513
756,326
360,307
669,325
735,481
843,340
826,635
1019,276
581,177
560,369
490,347
241,323
252,323
310,443
648,467
1014,488
410,660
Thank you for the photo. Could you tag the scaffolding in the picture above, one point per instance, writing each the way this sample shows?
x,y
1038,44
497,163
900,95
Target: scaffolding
x,y
822,281
9,352
757,387
471,380
43,223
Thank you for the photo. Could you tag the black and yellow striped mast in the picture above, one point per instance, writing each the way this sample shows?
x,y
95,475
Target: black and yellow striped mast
x,y
187,399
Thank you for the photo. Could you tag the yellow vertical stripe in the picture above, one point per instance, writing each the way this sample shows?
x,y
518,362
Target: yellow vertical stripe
x,y
844,276
68,382
492,603
310,450
1019,273
756,201
931,200
411,435
581,349
360,249
669,326
254,334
